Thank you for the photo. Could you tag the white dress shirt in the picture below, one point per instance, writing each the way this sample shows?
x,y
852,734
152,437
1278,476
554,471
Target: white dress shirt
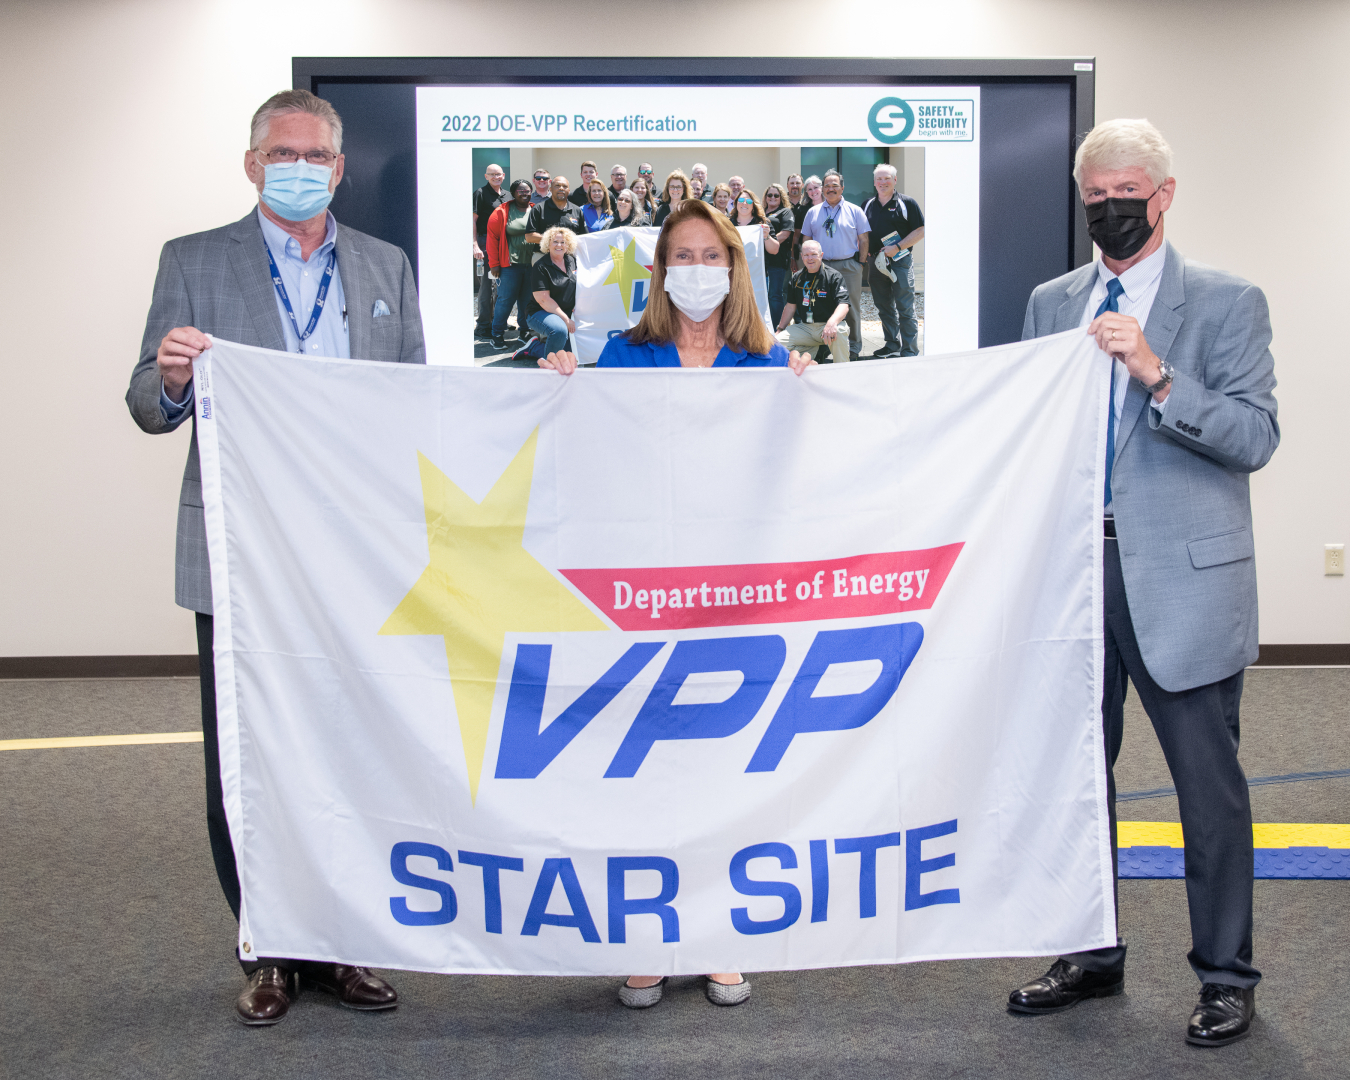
x,y
1140,283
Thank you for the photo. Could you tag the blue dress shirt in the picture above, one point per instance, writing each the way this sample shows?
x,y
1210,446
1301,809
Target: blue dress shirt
x,y
301,279
841,240
620,352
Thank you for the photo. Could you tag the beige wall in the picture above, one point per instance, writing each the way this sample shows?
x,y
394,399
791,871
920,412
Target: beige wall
x,y
125,125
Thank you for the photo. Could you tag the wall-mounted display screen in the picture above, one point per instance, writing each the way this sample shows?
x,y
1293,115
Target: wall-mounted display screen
x,y
983,148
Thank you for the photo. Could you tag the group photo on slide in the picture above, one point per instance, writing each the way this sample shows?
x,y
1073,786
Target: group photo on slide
x,y
866,240
704,623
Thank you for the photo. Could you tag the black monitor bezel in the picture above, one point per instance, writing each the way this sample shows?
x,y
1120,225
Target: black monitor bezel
x,y
1079,72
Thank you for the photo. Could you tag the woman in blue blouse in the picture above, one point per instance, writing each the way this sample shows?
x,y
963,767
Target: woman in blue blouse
x,y
702,311
701,314
597,211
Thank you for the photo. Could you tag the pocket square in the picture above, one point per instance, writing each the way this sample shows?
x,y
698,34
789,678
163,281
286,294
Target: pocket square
x,y
381,308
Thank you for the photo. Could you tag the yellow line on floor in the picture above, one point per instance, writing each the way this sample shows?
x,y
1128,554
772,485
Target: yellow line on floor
x,y
101,740
1168,834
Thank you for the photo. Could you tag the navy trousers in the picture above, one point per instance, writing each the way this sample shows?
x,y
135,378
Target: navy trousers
x,y
1198,731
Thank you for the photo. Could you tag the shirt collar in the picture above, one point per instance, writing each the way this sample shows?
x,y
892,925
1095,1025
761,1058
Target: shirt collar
x,y
280,240
1137,279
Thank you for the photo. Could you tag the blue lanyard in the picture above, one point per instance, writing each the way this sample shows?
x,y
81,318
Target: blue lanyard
x,y
318,300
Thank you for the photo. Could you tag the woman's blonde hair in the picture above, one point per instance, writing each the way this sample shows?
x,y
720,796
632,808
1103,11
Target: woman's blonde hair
x,y
742,326
782,197
722,187
603,202
546,241
678,174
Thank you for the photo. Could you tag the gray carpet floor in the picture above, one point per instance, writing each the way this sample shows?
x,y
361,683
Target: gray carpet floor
x,y
119,944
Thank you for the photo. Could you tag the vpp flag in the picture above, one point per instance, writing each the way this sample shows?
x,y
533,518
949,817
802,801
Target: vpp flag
x,y
614,278
660,671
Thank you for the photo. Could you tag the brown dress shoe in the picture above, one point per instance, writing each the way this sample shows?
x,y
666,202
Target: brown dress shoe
x,y
265,999
355,987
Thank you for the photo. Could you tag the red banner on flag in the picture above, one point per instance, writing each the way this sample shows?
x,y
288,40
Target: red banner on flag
x,y
645,598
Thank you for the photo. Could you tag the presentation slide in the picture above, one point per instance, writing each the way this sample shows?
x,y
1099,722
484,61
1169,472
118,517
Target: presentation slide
x,y
759,133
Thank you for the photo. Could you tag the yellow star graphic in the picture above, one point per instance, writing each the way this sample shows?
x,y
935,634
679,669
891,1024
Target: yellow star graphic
x,y
626,270
480,584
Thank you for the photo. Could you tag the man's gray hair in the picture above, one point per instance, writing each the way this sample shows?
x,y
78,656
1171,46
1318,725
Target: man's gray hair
x,y
292,101
889,170
1123,144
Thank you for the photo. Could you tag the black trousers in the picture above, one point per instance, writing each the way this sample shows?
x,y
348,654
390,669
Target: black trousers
x,y
217,827
1198,731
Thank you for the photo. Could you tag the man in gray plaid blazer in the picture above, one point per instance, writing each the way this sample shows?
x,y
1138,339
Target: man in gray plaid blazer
x,y
1193,414
287,277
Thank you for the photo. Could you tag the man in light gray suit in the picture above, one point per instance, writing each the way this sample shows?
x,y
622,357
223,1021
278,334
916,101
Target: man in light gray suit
x,y
288,277
1192,415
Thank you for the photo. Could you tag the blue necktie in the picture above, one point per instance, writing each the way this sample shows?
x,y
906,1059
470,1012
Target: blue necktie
x,y
1112,303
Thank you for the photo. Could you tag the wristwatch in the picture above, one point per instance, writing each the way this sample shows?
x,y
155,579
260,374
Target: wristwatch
x,y
1168,371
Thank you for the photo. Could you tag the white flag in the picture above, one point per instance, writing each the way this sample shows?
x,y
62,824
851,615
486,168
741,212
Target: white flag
x,y
661,671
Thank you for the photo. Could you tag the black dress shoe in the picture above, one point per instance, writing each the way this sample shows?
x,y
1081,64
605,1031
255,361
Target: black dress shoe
x,y
1224,1015
1063,987
266,997
355,987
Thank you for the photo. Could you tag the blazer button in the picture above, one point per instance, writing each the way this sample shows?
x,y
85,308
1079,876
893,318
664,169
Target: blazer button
x,y
1195,432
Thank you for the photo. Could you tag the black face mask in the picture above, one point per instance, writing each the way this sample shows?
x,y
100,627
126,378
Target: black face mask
x,y
1120,226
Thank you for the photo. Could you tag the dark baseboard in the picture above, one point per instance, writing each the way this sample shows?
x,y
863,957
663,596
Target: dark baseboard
x,y
1335,655
153,667
97,667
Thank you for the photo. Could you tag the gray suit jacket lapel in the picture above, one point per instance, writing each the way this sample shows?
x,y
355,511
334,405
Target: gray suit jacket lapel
x,y
352,267
248,261
1164,322
1070,313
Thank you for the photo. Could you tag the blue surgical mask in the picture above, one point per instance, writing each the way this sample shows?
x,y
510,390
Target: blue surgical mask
x,y
297,191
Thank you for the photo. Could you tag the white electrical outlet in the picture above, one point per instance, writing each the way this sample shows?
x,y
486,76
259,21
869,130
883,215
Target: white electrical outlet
x,y
1334,560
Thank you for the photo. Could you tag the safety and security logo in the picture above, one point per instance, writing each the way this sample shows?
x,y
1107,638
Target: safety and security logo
x,y
891,120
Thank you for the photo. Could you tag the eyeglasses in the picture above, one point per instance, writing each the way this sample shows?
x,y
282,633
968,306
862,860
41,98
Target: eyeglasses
x,y
284,155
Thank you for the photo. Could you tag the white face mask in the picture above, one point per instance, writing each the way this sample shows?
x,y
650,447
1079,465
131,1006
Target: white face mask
x,y
698,290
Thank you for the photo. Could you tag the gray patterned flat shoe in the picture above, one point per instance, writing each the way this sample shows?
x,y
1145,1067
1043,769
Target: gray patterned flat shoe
x,y
722,994
641,997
